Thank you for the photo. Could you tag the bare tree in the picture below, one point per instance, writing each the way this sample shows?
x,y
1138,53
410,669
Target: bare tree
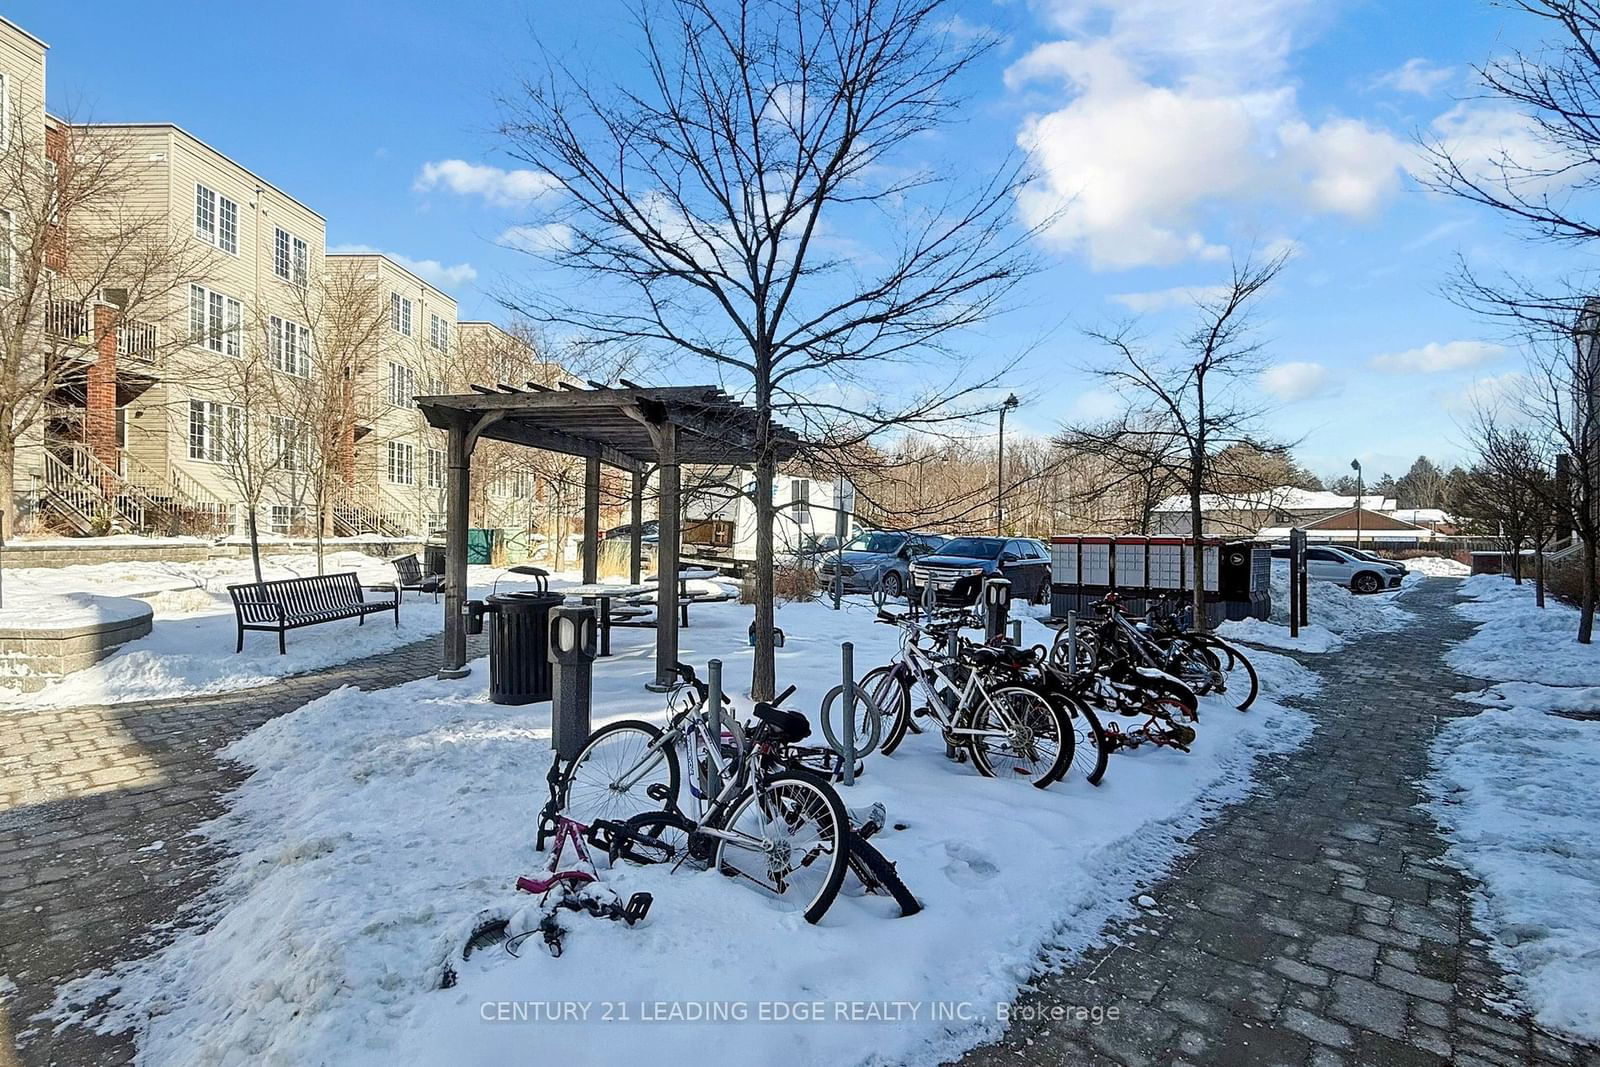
x,y
82,267
1186,408
1539,187
711,206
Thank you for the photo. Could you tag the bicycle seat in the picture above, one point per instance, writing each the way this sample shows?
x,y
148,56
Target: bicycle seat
x,y
787,726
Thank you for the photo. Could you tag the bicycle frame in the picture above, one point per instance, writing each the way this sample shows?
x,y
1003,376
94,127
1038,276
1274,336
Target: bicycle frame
x,y
917,666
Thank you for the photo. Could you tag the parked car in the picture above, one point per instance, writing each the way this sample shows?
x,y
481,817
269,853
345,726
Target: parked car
x,y
1331,563
1372,557
651,532
875,556
958,571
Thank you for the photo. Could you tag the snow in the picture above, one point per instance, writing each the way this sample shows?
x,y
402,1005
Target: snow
x,y
377,827
190,649
1511,789
1335,612
1436,567
42,612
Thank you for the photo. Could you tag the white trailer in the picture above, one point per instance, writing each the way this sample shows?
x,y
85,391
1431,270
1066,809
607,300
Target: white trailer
x,y
719,525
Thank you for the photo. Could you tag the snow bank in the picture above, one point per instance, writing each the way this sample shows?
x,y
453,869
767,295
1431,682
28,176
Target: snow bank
x,y
1436,567
1512,789
41,612
377,826
1336,614
1518,641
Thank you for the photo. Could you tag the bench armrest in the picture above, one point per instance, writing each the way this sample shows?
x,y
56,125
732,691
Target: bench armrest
x,y
385,587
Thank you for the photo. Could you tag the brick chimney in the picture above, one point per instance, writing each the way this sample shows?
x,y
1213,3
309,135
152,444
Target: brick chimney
x,y
100,414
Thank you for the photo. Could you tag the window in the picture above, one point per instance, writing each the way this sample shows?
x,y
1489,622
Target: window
x,y
402,385
400,314
216,219
214,320
402,460
800,499
435,468
439,334
291,347
288,518
291,257
214,430
8,252
291,443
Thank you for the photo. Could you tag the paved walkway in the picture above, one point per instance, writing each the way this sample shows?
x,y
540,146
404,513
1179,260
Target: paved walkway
x,y
96,808
1314,923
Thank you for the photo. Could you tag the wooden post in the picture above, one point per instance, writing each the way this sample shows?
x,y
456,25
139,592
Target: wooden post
x,y
636,545
458,476
667,559
591,519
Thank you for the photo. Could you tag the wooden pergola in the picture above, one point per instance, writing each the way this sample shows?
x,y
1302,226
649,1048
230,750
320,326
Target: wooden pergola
x,y
631,428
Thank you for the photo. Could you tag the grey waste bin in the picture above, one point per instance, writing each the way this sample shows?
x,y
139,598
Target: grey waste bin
x,y
519,645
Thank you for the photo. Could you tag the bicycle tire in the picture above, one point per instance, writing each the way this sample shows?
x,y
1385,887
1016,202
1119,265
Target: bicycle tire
x,y
828,891
868,717
1237,657
1090,748
877,681
586,811
1061,727
875,871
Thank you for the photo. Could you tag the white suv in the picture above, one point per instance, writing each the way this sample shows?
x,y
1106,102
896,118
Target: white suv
x,y
1330,563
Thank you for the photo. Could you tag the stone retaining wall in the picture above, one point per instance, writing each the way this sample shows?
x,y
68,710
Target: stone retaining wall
x,y
33,658
87,551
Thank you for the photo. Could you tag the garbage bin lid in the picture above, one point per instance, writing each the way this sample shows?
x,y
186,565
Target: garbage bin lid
x,y
526,598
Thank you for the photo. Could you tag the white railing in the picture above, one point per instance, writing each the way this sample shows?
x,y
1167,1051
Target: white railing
x,y
138,341
67,488
67,319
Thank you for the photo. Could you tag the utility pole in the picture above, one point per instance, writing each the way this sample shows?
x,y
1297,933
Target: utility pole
x,y
1355,465
1006,405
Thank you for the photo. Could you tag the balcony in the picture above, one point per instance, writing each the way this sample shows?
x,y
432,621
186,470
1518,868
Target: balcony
x,y
138,341
73,321
68,320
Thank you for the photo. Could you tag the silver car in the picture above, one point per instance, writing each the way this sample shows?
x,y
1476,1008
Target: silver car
x,y
879,556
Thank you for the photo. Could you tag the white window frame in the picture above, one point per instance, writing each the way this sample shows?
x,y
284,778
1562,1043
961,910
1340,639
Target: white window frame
x,y
436,469
400,314
291,257
217,206
439,333
402,384
291,443
216,322
800,502
291,346
218,421
280,253
402,463
8,251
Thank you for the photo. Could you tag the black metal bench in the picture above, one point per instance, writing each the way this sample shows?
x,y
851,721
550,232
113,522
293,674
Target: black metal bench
x,y
409,570
285,604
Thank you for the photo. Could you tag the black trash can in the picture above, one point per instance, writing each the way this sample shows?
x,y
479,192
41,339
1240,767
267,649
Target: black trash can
x,y
519,646
432,559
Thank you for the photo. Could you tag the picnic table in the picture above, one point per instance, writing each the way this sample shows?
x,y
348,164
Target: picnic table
x,y
604,595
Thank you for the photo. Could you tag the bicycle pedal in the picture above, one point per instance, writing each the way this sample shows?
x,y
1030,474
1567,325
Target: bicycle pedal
x,y
637,908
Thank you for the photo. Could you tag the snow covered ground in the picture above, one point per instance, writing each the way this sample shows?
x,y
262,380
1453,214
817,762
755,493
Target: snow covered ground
x,y
1335,613
1513,790
190,650
377,827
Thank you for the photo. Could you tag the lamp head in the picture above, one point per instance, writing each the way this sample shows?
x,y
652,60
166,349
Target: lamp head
x,y
1011,401
1355,465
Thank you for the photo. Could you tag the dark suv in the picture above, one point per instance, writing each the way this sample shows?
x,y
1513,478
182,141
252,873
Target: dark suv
x,y
957,571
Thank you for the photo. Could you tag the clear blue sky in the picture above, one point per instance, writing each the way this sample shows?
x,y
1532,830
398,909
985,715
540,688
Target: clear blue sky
x,y
1181,131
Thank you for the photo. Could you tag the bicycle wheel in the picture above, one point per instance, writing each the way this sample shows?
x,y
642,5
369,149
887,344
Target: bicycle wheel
x,y
1033,740
794,843
616,775
653,837
893,701
878,875
1249,684
868,720
1090,748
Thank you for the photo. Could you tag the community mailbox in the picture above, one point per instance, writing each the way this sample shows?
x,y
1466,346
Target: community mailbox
x,y
1084,567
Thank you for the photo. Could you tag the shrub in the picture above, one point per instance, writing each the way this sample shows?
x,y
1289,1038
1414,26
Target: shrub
x,y
791,583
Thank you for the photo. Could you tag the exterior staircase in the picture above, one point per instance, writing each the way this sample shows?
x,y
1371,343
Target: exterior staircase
x,y
358,514
191,505
84,492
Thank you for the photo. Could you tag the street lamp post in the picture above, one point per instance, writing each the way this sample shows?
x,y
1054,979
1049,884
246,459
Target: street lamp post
x,y
1006,405
1355,465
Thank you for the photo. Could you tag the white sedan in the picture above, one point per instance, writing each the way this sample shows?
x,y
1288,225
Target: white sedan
x,y
1330,563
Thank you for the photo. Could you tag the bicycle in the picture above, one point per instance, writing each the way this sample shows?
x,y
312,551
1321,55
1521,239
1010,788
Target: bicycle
x,y
759,816
1007,730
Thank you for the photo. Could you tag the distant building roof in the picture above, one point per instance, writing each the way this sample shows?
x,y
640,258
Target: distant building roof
x,y
1281,498
1423,515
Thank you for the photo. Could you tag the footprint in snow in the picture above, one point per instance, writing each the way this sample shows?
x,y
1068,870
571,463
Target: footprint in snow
x,y
967,865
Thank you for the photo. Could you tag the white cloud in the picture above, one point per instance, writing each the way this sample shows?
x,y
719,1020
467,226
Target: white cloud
x,y
543,237
1434,357
429,270
1296,381
1486,393
1174,107
1481,137
1415,76
504,188
1183,296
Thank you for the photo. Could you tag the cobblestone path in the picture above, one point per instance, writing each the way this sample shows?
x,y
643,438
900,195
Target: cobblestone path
x,y
1314,923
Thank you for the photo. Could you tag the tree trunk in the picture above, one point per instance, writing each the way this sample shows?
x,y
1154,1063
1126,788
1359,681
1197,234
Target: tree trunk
x,y
1198,570
8,482
1591,579
763,672
321,525
1538,572
255,539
